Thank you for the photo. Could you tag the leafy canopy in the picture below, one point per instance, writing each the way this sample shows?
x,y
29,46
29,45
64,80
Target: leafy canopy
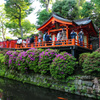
x,y
67,9
16,10
43,16
27,27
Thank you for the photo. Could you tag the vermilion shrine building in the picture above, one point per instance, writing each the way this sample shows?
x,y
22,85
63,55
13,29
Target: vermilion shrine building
x,y
56,23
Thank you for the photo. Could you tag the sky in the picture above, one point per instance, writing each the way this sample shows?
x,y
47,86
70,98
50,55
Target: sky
x,y
32,17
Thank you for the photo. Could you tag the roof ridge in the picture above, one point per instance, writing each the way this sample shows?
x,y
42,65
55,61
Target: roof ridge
x,y
87,18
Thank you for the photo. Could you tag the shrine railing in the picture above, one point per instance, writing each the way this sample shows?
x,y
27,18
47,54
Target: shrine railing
x,y
62,43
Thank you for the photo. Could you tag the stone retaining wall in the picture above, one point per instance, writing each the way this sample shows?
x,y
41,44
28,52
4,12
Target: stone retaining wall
x,y
81,85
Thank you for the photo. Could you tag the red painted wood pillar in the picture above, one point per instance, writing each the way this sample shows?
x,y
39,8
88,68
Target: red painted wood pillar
x,y
99,37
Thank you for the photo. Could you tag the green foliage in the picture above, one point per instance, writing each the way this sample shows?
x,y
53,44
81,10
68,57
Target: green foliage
x,y
91,65
66,9
45,60
70,78
87,10
33,59
2,57
3,52
7,56
45,3
96,5
98,50
21,62
62,66
12,59
82,57
16,10
42,16
3,21
26,25
96,12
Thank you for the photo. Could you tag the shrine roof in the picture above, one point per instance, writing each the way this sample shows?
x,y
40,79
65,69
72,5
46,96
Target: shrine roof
x,y
57,17
84,21
61,18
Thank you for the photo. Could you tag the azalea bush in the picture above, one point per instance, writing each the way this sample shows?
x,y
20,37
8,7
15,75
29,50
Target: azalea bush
x,y
21,62
12,59
62,65
82,57
33,59
3,52
98,50
2,58
45,60
91,65
7,56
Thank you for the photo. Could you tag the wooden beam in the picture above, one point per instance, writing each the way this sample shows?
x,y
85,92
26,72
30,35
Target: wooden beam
x,y
47,23
57,30
78,27
63,22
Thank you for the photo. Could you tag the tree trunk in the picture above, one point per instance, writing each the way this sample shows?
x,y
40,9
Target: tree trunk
x,y
47,5
3,33
20,27
20,20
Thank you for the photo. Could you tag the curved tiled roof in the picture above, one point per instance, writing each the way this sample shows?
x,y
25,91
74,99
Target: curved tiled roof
x,y
84,21
57,17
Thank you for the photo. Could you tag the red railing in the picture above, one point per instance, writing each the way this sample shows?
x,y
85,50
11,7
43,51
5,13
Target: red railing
x,y
8,44
62,43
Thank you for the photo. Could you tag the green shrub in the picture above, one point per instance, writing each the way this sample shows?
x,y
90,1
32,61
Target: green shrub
x,y
12,59
3,52
21,62
45,60
98,50
33,58
7,56
2,59
63,65
91,65
82,57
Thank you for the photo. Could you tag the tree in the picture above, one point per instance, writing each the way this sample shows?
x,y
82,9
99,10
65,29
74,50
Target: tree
x,y
87,10
3,20
96,12
80,2
45,3
96,5
27,27
66,8
17,10
43,16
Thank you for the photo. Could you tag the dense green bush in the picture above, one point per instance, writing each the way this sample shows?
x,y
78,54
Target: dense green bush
x,y
3,52
45,60
21,62
7,56
12,59
91,65
33,58
82,57
63,65
2,59
98,50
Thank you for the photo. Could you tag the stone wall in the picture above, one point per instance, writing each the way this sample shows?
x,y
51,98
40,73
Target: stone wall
x,y
81,85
